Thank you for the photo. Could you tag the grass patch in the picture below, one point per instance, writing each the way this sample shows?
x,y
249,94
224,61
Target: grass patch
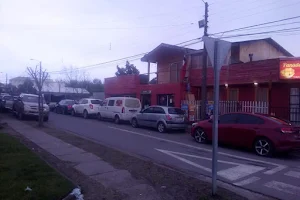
x,y
19,168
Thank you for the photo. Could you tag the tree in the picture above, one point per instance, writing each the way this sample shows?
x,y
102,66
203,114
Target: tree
x,y
127,70
27,87
39,77
76,79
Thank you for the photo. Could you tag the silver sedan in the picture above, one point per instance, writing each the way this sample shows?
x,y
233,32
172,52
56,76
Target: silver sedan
x,y
160,117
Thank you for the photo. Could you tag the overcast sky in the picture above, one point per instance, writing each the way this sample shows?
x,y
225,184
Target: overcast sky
x,y
86,32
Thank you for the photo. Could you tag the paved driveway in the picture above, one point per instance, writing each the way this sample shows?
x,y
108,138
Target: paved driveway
x,y
277,177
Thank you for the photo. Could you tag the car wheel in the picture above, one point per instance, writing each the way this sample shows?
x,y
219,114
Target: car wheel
x,y
117,119
63,111
57,110
161,127
134,123
200,136
99,117
263,147
85,114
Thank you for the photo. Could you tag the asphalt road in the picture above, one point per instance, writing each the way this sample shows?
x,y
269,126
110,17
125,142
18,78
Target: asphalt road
x,y
277,177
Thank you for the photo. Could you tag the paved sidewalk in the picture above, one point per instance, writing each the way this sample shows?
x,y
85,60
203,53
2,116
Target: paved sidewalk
x,y
87,163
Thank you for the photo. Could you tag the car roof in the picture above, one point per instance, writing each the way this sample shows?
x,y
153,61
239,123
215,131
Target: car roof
x,y
32,95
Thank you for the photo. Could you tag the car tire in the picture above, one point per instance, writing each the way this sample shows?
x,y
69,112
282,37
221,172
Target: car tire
x,y
134,123
263,147
99,117
161,127
117,119
56,111
200,136
85,114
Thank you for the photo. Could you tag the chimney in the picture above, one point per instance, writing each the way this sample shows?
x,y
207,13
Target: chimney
x,y
251,56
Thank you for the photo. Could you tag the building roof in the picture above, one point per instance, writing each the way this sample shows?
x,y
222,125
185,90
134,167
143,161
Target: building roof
x,y
164,50
271,42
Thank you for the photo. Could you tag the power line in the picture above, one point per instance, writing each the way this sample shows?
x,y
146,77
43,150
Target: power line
x,y
135,57
246,27
265,32
264,11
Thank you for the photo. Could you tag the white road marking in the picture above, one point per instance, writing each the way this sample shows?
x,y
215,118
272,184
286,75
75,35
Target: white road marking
x,y
186,161
293,174
247,181
231,174
275,170
269,172
283,187
240,171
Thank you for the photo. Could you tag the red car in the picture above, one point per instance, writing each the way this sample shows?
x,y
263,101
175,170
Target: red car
x,y
262,133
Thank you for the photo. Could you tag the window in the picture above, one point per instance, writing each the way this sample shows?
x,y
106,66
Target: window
x,y
149,110
80,101
132,103
111,102
249,119
166,100
95,101
69,102
175,111
119,102
174,73
233,94
158,110
228,119
104,103
85,101
7,97
262,94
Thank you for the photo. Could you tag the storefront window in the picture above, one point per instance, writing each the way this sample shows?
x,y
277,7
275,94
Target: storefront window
x,y
166,100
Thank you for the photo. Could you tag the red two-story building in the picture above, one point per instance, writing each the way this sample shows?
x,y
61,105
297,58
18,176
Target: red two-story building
x,y
258,71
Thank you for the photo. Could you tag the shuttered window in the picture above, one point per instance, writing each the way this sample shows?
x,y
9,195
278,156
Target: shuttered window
x,y
233,94
174,74
262,94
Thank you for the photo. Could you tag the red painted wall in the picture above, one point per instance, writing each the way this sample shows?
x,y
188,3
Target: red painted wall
x,y
258,71
121,85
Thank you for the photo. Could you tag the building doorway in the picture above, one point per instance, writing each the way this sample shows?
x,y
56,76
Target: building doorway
x,y
145,100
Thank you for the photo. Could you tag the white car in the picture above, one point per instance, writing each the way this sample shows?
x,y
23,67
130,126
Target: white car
x,y
86,107
119,108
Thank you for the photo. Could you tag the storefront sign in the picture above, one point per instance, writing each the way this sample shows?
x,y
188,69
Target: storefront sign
x,y
290,69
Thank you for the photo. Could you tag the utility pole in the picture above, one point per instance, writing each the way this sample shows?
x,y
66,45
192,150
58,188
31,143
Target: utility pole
x,y
6,80
204,67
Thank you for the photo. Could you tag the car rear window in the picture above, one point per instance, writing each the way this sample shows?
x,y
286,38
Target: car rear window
x,y
279,121
132,103
175,111
70,102
96,101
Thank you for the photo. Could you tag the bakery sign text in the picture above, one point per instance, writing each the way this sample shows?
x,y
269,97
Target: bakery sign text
x,y
290,69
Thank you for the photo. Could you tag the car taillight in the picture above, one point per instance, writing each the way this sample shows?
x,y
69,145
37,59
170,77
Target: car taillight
x,y
69,106
91,106
123,110
168,117
286,130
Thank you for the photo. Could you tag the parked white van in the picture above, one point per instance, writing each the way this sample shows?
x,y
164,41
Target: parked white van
x,y
119,108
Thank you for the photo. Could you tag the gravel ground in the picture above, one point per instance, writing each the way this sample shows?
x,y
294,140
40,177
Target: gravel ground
x,y
91,189
170,183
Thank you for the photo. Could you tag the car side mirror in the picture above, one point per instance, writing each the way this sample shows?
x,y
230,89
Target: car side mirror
x,y
141,111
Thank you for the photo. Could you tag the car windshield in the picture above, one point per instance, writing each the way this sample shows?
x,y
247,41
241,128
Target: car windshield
x,y
132,103
31,99
95,101
175,111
